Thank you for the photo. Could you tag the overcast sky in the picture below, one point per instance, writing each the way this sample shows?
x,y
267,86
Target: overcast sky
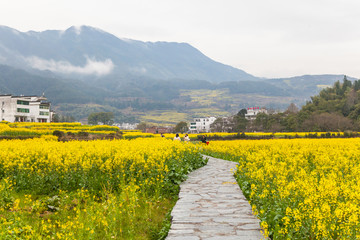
x,y
278,38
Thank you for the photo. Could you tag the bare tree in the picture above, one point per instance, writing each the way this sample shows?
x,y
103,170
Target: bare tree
x,y
181,127
292,108
142,126
328,122
225,124
217,125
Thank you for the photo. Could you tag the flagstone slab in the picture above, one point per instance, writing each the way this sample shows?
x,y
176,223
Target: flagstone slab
x,y
212,206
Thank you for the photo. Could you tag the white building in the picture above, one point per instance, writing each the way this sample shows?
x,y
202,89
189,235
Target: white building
x,y
126,126
253,111
201,124
24,109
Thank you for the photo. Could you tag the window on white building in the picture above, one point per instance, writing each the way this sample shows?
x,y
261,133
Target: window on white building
x,y
21,102
23,110
44,107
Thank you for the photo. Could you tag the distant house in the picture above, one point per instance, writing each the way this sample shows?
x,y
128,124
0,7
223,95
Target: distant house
x,y
126,126
156,130
224,124
201,124
253,111
24,108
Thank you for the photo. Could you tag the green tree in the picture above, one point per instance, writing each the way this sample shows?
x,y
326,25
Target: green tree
x,y
181,127
347,84
269,122
242,113
142,126
55,118
66,118
290,122
106,118
240,122
356,85
217,125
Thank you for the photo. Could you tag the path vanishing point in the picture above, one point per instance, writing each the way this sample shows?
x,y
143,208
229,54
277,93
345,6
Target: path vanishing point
x,y
212,206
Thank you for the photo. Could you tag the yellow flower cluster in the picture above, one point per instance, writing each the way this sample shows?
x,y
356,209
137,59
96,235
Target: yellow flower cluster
x,y
300,188
134,158
38,129
89,189
194,136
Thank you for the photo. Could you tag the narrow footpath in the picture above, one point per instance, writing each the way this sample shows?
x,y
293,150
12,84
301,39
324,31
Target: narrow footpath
x,y
212,206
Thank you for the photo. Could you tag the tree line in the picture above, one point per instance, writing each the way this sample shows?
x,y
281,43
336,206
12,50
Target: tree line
x,y
335,108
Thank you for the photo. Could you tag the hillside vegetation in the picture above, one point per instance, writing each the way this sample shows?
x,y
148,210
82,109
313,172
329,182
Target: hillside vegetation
x,y
143,99
335,108
83,70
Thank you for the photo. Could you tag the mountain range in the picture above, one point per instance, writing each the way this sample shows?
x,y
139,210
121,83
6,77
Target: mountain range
x,y
88,52
84,69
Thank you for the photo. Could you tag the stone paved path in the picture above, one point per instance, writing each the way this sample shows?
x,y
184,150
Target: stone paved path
x,y
212,206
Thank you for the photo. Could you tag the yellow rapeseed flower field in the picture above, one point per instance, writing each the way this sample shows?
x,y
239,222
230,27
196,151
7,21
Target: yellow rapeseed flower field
x,y
299,188
101,189
39,129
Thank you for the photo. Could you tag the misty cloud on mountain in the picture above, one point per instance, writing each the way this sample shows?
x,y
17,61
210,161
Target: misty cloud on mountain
x,y
92,66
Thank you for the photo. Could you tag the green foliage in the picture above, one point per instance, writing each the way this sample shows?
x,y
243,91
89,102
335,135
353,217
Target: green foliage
x,y
66,118
178,172
162,234
240,122
267,122
82,111
75,99
6,198
101,117
91,203
181,127
242,113
58,133
257,87
333,104
333,109
142,126
55,118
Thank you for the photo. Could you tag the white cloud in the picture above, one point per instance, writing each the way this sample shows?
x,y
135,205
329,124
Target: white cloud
x,y
92,66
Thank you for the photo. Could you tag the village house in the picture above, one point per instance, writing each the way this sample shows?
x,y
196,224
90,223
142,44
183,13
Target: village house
x,y
156,130
24,109
126,126
253,111
201,124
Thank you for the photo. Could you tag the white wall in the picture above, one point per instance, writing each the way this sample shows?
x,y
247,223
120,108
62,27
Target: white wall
x,y
201,124
9,109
